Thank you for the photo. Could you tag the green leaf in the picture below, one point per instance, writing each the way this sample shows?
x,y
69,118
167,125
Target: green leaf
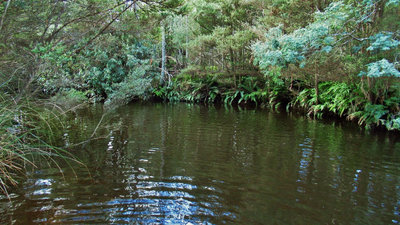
x,y
382,68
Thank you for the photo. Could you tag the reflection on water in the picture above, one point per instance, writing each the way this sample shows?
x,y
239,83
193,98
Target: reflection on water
x,y
190,164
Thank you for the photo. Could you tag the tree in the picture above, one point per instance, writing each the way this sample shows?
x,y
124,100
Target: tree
x,y
340,29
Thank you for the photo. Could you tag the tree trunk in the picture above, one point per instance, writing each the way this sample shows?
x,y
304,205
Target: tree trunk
x,y
187,42
233,66
371,96
316,88
163,54
291,82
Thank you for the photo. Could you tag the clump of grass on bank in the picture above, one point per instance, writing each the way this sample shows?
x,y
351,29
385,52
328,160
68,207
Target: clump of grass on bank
x,y
28,132
71,97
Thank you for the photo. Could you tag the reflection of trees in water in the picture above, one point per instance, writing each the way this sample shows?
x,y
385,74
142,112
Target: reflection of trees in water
x,y
263,160
244,167
335,168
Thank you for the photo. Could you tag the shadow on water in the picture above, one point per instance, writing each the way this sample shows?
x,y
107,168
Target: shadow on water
x,y
192,164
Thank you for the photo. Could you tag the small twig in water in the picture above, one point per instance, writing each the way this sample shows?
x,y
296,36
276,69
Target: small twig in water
x,y
94,132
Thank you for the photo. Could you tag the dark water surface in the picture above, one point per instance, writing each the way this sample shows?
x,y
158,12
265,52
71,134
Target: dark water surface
x,y
191,164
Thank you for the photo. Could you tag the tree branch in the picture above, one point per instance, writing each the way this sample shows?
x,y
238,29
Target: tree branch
x,y
4,15
105,27
55,32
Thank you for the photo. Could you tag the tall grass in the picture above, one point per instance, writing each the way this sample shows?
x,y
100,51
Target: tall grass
x,y
29,131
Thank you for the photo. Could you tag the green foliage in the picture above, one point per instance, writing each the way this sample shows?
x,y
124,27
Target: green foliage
x,y
213,94
324,35
230,96
281,49
382,68
339,98
392,3
393,122
372,114
184,88
51,74
336,97
120,65
346,37
125,67
383,41
136,84
214,34
76,95
71,97
251,91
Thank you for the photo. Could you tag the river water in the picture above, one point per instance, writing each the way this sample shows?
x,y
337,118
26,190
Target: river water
x,y
192,164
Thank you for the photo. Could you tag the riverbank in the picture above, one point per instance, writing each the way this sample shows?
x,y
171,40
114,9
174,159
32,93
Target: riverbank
x,y
33,130
335,99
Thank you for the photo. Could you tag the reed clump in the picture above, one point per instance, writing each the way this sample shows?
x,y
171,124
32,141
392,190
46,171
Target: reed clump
x,y
29,132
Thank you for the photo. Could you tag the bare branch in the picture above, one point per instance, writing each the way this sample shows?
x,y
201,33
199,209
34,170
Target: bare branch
x,y
105,27
55,32
4,14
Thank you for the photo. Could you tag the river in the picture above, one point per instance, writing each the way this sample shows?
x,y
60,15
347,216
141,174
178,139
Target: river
x,y
193,164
